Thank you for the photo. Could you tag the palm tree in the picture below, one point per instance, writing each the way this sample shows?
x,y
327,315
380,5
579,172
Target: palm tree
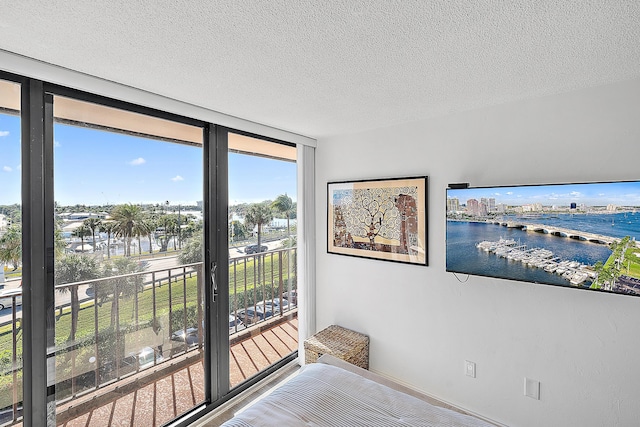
x,y
284,205
11,246
82,232
93,224
151,227
165,221
109,228
70,269
258,214
123,286
142,228
127,218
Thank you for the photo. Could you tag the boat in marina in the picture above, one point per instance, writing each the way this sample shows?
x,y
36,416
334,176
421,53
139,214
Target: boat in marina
x,y
572,271
578,278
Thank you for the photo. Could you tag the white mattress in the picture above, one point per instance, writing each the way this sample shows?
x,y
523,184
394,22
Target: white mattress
x,y
324,396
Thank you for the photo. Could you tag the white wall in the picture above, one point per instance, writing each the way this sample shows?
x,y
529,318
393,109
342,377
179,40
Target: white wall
x,y
583,346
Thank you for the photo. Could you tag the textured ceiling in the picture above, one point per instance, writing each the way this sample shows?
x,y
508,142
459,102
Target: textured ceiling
x,y
321,68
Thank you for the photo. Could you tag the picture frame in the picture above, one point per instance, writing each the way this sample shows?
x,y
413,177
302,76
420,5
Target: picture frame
x,y
384,219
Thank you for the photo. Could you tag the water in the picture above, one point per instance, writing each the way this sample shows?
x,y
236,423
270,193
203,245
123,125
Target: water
x,y
463,256
117,245
614,225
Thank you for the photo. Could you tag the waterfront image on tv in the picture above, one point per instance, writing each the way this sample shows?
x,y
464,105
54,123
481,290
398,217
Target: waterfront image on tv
x,y
576,235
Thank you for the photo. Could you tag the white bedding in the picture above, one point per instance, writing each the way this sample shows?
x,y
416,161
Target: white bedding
x,y
324,395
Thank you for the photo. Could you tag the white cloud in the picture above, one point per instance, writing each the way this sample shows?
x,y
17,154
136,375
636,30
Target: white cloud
x,y
4,133
177,178
56,143
7,169
137,162
509,193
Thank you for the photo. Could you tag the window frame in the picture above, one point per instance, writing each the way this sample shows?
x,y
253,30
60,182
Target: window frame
x,y
38,253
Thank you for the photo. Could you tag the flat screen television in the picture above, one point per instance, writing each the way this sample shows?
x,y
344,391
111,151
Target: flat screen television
x,y
583,236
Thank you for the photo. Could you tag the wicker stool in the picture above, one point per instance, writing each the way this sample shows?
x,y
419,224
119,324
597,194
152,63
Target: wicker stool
x,y
339,342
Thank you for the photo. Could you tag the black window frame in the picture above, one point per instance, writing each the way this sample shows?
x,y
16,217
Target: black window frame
x,y
38,255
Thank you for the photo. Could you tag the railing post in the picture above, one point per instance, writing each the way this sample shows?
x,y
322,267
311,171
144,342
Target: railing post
x,y
235,293
199,281
184,300
246,294
14,358
117,326
96,326
272,277
73,344
280,291
170,304
153,297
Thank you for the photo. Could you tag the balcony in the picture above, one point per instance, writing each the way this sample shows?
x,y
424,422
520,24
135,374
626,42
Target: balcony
x,y
136,352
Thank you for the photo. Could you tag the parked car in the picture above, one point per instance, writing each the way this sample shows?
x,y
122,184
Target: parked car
x,y
146,358
253,249
274,305
235,324
7,295
188,336
252,315
141,360
292,297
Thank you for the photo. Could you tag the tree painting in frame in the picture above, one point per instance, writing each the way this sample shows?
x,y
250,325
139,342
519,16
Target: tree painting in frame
x,y
384,219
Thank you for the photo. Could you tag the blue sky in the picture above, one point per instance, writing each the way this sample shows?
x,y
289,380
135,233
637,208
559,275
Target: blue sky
x,y
95,167
618,193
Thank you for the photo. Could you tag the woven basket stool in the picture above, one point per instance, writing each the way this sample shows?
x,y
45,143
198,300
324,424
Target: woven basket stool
x,y
345,344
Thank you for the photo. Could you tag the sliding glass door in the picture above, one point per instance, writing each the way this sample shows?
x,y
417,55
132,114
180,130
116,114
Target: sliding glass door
x,y
156,256
10,254
262,303
130,334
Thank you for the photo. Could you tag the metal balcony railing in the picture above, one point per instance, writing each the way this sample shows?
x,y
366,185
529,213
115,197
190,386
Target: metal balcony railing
x,y
113,328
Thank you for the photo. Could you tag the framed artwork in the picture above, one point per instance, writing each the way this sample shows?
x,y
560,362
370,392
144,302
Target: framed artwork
x,y
384,219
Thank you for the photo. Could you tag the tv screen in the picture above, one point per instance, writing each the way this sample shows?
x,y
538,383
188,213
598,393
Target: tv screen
x,y
576,235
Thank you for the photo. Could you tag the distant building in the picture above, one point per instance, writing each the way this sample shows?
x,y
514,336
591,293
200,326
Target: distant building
x,y
472,206
573,206
476,208
534,207
489,203
81,216
453,204
612,208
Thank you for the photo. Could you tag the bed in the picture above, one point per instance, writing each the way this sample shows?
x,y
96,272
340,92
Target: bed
x,y
335,393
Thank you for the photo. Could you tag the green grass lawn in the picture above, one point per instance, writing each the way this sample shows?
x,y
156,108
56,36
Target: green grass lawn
x,y
632,263
242,280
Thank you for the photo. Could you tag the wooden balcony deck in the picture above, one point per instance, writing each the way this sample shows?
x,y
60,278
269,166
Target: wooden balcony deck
x,y
156,397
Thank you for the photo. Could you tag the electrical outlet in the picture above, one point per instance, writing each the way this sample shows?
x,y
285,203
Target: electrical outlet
x,y
532,388
470,369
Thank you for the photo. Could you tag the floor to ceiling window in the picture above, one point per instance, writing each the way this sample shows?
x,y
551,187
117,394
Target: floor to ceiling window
x,y
128,191
10,254
114,222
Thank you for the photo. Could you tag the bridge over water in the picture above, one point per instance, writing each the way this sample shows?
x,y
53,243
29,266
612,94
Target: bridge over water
x,y
561,232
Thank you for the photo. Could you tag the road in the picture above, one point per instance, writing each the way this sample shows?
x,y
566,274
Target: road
x,y
64,299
